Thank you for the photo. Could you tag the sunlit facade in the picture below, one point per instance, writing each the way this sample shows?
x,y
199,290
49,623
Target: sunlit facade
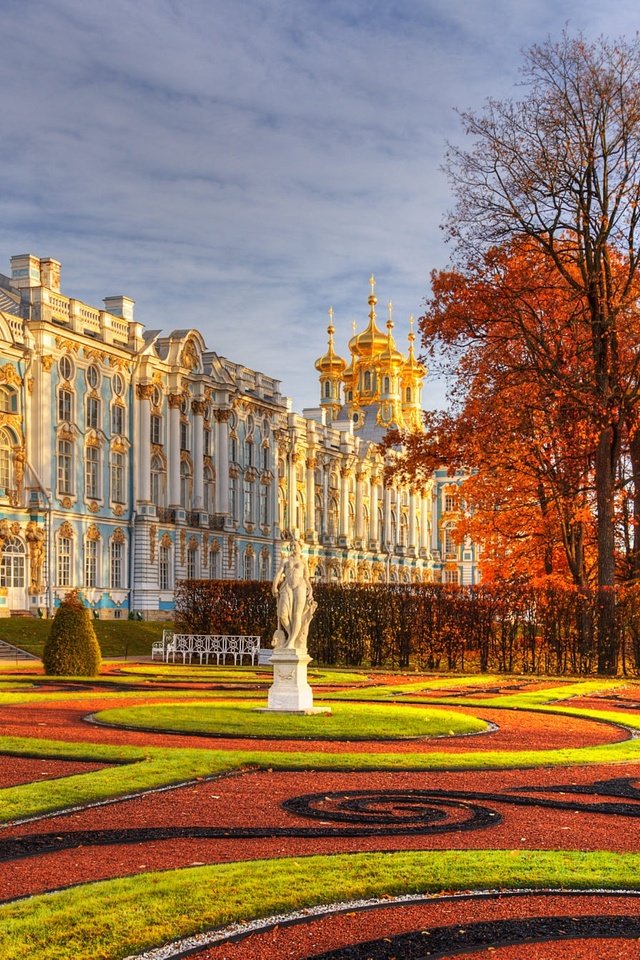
x,y
130,460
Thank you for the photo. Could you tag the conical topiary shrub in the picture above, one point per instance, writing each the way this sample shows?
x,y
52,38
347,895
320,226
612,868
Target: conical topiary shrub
x,y
72,648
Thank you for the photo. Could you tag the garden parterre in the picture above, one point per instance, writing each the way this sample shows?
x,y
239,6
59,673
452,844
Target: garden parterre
x,y
119,840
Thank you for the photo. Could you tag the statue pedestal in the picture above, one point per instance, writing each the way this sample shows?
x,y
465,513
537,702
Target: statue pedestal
x,y
290,692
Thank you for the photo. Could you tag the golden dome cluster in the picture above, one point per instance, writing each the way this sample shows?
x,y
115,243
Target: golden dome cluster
x,y
380,386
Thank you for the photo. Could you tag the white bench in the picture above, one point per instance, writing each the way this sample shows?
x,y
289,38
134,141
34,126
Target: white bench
x,y
204,646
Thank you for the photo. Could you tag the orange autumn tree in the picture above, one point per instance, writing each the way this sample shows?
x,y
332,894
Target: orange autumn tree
x,y
525,421
560,167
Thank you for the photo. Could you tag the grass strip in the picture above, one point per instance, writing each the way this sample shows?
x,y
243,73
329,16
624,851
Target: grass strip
x,y
347,721
116,918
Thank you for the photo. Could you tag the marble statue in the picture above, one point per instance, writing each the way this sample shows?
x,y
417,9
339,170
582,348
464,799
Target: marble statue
x,y
295,603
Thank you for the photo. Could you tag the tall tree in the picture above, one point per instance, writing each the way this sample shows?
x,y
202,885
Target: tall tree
x,y
561,167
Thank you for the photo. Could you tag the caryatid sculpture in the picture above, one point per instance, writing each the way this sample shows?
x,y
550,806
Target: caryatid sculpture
x,y
295,604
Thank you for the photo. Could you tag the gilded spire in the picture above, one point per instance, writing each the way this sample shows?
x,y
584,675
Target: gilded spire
x,y
330,363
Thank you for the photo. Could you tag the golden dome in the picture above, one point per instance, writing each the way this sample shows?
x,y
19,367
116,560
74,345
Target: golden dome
x,y
372,340
390,356
331,364
413,368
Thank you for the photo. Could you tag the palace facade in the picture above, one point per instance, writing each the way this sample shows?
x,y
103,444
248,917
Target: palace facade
x,y
131,459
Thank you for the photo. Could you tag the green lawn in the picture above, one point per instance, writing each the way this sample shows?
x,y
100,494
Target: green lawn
x,y
117,638
346,722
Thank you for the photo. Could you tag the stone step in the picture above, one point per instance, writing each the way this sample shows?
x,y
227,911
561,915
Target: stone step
x,y
9,652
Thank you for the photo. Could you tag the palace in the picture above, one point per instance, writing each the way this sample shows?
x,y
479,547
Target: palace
x,y
131,459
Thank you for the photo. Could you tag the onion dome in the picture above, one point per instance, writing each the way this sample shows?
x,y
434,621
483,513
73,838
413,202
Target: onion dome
x,y
330,364
390,356
413,368
372,340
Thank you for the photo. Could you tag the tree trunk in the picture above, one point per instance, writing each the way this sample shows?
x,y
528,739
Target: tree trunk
x,y
606,601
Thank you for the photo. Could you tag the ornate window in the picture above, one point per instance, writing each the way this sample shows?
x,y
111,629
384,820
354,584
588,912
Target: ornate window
x,y
265,566
332,527
449,543
8,400
164,568
214,564
6,461
318,512
65,406
93,413
116,564
184,435
12,563
206,442
407,395
247,512
65,367
264,505
247,565
118,494
92,473
64,558
117,384
117,420
248,453
233,497
156,429
192,563
65,467
91,562
450,502
451,577
93,376
209,490
367,380
157,482
185,485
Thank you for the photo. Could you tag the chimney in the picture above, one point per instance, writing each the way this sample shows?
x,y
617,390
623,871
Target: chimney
x,y
25,271
50,274
120,307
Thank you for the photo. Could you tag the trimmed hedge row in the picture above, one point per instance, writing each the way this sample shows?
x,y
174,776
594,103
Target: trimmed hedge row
x,y
486,628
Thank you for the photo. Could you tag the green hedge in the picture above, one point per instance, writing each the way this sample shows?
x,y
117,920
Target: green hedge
x,y
488,628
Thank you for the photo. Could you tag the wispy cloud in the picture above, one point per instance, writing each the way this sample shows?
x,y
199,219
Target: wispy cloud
x,y
241,165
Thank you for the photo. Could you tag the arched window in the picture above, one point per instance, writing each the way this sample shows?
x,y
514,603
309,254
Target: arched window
x,y
92,473
116,564
407,395
185,485
300,512
367,380
64,561
233,497
118,494
12,563
247,566
6,461
91,563
318,512
157,481
209,490
248,496
65,467
449,543
165,578
264,505
248,453
394,527
386,385
265,566
332,527
8,400
404,530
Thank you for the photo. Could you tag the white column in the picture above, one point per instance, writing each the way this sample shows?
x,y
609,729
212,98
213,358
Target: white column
x,y
222,461
375,494
412,518
174,449
143,453
344,502
311,497
360,478
424,520
292,493
387,517
197,408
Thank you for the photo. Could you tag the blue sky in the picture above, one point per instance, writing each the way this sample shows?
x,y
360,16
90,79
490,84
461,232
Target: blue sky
x,y
242,165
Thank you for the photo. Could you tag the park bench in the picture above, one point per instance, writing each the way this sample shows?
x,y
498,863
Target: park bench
x,y
204,646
